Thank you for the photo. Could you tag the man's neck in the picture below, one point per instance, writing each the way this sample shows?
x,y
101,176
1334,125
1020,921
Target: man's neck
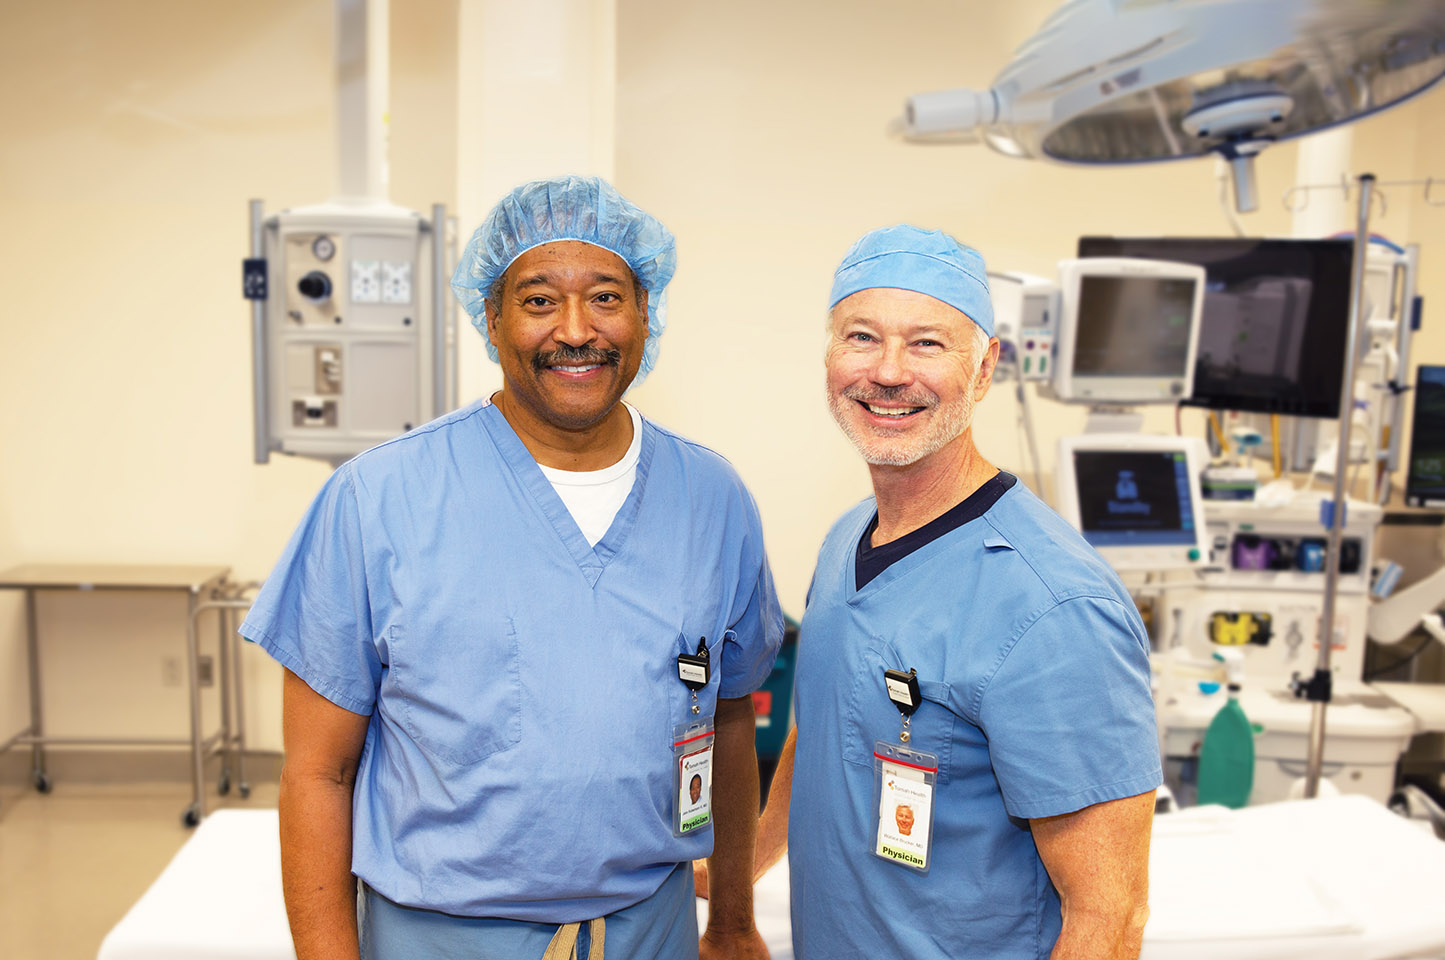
x,y
909,497
595,447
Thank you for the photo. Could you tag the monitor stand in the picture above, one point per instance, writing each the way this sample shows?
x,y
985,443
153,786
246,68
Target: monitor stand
x,y
1114,419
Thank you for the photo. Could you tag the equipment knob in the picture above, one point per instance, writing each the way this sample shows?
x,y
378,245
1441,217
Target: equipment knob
x,y
315,286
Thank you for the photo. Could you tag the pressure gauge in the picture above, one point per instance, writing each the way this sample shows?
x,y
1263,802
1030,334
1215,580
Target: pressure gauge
x,y
324,248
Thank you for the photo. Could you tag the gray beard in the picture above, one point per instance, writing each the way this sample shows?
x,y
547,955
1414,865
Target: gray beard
x,y
949,423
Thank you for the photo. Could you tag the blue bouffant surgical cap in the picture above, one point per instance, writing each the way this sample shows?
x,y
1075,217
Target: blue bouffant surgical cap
x,y
924,261
568,208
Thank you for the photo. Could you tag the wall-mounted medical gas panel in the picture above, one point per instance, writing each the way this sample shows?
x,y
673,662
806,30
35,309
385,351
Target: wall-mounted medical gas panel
x,y
352,333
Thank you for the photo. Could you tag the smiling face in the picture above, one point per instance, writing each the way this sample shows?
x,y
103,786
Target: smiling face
x,y
694,789
904,373
903,814
569,327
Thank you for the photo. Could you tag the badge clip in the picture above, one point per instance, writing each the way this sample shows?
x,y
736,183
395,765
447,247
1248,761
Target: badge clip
x,y
693,670
903,691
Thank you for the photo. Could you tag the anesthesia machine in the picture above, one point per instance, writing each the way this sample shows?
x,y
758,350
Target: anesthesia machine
x,y
1227,324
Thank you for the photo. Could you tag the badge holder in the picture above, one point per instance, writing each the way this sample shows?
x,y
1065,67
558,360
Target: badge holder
x,y
904,780
692,744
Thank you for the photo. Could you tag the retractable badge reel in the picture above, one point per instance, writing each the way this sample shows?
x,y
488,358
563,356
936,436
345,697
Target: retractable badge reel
x,y
692,743
904,779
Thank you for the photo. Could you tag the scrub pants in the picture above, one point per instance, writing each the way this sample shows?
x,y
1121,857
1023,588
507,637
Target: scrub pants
x,y
662,927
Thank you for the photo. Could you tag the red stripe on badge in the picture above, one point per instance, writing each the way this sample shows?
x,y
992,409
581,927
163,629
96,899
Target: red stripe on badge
x,y
691,739
905,763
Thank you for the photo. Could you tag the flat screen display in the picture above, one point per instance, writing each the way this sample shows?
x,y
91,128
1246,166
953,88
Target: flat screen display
x,y
1133,327
1134,497
1275,318
1425,483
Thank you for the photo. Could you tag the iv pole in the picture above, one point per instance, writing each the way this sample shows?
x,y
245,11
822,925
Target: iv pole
x,y
1317,688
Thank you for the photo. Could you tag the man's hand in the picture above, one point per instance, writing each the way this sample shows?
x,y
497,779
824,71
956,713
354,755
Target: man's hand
x,y
699,878
740,946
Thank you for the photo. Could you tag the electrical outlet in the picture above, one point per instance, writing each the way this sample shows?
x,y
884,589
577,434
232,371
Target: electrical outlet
x,y
206,670
171,672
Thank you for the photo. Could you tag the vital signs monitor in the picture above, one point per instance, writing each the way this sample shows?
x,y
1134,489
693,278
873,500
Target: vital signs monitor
x,y
1128,330
1135,498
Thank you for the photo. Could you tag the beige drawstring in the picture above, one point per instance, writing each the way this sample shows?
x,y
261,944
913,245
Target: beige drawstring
x,y
564,941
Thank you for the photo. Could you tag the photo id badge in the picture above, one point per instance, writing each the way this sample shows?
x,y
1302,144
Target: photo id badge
x,y
905,780
692,776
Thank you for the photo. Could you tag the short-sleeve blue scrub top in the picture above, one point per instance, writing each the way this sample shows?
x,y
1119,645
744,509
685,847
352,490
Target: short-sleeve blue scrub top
x,y
1033,665
521,685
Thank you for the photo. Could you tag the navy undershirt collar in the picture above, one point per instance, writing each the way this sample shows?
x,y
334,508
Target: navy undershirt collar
x,y
874,560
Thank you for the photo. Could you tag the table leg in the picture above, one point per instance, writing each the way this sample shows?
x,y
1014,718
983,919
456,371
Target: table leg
x,y
224,665
238,672
37,726
197,809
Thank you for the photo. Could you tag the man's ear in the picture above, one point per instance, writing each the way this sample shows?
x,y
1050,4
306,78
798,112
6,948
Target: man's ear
x,y
493,318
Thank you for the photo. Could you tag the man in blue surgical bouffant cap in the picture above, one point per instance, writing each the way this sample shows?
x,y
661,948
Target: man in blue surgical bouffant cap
x,y
521,641
974,721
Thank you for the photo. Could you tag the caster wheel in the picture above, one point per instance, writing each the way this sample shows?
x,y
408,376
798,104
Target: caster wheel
x,y
224,786
244,789
190,818
42,783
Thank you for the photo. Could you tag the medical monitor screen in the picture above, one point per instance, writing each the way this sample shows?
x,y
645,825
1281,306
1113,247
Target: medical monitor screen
x,y
1133,326
1425,484
1275,319
1133,498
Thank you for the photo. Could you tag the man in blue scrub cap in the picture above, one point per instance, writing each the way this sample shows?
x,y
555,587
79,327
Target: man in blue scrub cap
x,y
487,625
1017,727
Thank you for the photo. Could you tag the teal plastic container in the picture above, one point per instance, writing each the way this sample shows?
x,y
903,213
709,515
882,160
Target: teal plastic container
x,y
1226,760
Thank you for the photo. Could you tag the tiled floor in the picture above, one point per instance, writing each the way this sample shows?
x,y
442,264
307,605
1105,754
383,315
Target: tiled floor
x,y
73,861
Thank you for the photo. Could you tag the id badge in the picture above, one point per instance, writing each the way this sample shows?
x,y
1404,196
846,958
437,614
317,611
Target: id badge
x,y
905,779
692,776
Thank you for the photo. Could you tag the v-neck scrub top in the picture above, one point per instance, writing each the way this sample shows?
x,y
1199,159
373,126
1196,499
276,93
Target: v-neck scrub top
x,y
1034,670
521,685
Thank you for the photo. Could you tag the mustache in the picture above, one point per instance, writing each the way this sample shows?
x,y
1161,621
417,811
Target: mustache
x,y
576,357
899,395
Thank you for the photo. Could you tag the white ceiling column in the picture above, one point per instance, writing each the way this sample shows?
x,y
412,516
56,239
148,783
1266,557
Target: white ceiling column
x,y
536,97
1324,157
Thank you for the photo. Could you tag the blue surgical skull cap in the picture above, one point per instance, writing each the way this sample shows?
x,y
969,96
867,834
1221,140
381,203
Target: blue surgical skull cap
x,y
568,208
924,261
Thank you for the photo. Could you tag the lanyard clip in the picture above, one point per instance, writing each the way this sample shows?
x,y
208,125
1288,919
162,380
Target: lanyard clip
x,y
903,691
694,669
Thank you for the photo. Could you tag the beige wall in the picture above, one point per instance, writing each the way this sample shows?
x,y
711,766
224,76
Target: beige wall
x,y
133,136
134,133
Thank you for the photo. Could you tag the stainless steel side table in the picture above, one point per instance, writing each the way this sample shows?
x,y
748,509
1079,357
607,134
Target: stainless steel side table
x,y
205,588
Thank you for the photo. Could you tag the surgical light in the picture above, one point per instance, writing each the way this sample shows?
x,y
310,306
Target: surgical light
x,y
1130,81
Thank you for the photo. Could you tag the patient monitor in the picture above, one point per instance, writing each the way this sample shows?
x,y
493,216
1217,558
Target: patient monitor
x,y
1128,330
1135,498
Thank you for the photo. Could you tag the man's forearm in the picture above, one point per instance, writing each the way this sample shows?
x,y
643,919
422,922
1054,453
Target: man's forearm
x,y
1102,934
773,825
735,818
316,867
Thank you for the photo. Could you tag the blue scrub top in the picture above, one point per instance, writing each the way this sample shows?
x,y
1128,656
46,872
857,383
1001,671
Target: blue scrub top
x,y
522,685
1034,669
